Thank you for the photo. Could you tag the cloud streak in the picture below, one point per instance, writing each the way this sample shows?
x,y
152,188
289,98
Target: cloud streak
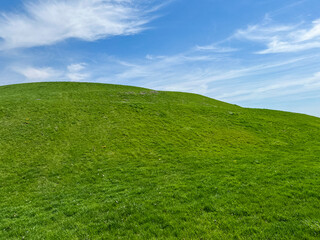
x,y
283,38
284,87
46,22
215,48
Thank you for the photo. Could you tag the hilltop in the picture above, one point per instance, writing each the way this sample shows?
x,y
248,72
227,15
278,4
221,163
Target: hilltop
x,y
100,161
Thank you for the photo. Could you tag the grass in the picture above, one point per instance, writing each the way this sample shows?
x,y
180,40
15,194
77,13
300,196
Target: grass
x,y
95,161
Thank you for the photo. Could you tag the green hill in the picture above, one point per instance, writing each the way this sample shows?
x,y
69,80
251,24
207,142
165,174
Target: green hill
x,y
97,161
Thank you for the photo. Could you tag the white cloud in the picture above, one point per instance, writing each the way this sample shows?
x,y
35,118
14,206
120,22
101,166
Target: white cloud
x,y
35,74
276,46
76,72
46,22
309,34
76,67
215,48
76,77
283,38
73,72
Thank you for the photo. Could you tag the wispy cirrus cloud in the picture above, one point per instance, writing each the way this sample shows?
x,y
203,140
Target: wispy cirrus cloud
x,y
284,87
212,74
45,22
283,38
215,48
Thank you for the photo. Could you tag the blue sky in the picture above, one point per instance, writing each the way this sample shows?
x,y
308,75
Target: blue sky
x,y
254,53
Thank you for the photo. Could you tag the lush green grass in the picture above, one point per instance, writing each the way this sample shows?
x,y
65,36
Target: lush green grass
x,y
95,161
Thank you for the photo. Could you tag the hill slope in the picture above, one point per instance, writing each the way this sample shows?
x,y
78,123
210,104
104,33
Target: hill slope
x,y
95,161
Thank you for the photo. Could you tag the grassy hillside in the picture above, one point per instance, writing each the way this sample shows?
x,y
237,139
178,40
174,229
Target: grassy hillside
x,y
95,161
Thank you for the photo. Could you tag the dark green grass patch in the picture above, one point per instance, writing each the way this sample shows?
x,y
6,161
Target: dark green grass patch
x,y
95,161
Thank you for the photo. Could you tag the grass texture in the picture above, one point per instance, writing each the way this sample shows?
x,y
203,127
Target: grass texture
x,y
98,161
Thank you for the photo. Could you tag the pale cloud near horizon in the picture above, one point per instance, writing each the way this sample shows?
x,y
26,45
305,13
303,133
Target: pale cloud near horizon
x,y
46,22
76,72
73,72
283,38
285,87
37,74
209,73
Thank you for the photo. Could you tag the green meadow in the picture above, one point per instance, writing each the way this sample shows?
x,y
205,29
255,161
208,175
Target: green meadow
x,y
99,161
